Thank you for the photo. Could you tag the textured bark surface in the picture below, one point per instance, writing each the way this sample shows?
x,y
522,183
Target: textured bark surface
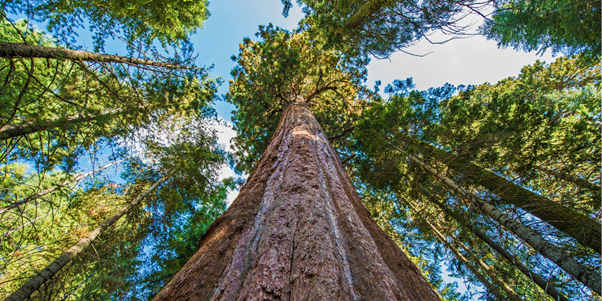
x,y
297,231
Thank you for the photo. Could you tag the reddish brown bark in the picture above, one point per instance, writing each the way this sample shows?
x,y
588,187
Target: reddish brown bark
x,y
298,231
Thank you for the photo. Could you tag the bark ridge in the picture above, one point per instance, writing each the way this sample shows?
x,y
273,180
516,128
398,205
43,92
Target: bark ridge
x,y
298,231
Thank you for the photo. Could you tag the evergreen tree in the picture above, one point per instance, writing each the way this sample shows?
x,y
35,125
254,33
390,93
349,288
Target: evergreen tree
x,y
140,22
55,110
380,27
298,228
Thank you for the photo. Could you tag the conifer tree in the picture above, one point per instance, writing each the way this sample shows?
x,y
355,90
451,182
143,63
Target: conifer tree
x,y
298,229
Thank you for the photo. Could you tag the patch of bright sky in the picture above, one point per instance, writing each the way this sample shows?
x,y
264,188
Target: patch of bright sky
x,y
468,61
229,23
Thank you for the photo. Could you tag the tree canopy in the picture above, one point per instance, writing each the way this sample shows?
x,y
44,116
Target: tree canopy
x,y
289,63
167,21
109,164
568,27
493,140
380,27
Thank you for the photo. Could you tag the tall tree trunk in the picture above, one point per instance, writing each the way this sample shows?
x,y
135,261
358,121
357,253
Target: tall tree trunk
x,y
9,50
590,277
298,231
28,127
581,227
547,287
53,188
47,273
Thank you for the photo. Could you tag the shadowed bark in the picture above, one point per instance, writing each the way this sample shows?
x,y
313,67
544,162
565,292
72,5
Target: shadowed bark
x,y
297,231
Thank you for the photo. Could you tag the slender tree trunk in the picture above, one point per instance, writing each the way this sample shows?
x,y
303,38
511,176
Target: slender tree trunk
x,y
9,50
584,229
47,273
572,179
591,278
475,271
28,127
547,287
297,231
499,282
53,188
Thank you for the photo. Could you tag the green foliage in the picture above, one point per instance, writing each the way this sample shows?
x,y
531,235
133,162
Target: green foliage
x,y
105,110
171,220
171,246
185,205
547,116
282,64
392,216
568,26
167,113
170,22
78,106
40,231
380,27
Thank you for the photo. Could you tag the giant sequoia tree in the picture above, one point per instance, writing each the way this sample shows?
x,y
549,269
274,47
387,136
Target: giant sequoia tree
x,y
298,229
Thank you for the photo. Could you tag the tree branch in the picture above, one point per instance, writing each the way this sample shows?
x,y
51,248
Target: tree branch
x,y
9,50
347,159
346,131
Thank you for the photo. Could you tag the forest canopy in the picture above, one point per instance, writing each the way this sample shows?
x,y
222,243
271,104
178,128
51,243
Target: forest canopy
x,y
112,172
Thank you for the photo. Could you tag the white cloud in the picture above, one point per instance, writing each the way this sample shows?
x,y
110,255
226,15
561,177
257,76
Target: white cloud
x,y
468,61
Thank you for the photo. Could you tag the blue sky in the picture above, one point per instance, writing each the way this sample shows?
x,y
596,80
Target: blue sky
x,y
229,23
465,61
